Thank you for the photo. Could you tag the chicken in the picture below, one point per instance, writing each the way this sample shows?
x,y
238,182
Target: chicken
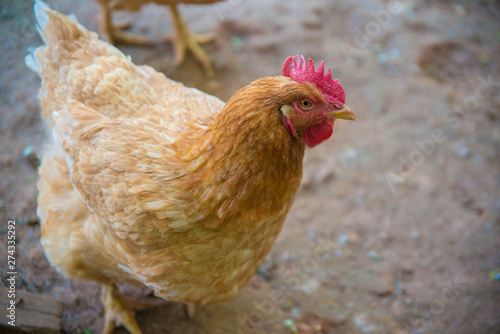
x,y
182,40
149,182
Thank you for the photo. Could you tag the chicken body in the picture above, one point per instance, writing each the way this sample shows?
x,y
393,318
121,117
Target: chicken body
x,y
143,192
149,182
182,40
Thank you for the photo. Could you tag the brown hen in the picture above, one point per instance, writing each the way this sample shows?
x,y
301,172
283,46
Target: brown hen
x,y
152,183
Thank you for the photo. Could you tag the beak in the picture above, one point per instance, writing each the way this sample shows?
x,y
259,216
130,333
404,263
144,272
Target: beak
x,y
343,113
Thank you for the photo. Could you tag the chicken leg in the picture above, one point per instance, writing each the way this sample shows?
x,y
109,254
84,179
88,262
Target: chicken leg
x,y
184,40
120,310
190,310
116,34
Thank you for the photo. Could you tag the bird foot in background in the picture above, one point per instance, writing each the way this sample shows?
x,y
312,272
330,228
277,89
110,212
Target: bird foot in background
x,y
189,41
115,33
184,40
120,36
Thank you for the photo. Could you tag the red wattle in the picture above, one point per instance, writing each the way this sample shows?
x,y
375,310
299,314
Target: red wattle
x,y
317,133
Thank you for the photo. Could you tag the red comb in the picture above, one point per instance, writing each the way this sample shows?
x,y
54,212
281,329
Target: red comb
x,y
298,69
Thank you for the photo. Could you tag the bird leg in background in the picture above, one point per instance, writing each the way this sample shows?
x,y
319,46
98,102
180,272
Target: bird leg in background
x,y
120,310
116,35
190,309
184,39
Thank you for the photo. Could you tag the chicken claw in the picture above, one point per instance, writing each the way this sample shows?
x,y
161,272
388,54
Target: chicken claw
x,y
184,39
119,311
120,36
116,35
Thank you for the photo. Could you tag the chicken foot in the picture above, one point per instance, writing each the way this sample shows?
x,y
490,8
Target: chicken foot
x,y
190,310
184,40
120,310
116,34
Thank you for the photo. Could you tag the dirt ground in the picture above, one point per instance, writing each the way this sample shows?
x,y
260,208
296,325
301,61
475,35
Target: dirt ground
x,y
396,228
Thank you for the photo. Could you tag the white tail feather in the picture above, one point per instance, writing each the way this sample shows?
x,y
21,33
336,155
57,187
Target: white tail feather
x,y
73,17
42,18
32,62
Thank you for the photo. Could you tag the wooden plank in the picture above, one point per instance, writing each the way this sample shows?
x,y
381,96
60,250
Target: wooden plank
x,y
35,313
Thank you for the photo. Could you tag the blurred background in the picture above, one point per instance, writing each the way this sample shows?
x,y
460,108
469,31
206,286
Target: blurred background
x,y
396,228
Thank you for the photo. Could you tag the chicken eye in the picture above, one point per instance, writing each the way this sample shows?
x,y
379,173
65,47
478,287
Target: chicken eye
x,y
306,104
